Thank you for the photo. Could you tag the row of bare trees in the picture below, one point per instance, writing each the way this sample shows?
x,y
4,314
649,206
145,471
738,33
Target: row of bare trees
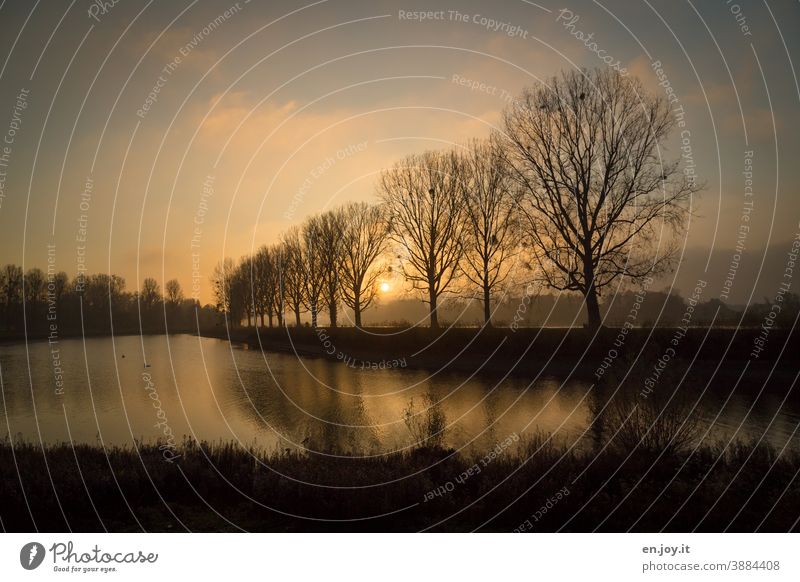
x,y
447,219
574,187
454,218
334,258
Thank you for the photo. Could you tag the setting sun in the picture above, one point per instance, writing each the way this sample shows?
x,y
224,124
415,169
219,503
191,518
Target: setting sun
x,y
385,287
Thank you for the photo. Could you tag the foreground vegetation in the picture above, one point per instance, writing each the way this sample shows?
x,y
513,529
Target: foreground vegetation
x,y
537,487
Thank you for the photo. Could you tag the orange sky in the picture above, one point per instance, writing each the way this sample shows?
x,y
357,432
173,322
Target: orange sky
x,y
282,111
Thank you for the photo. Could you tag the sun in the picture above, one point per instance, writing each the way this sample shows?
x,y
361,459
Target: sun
x,y
385,287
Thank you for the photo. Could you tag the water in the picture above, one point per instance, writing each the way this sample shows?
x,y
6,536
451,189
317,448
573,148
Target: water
x,y
208,389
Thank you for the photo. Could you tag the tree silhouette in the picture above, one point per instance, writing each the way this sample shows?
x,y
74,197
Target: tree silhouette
x,y
365,239
490,213
585,149
421,194
292,272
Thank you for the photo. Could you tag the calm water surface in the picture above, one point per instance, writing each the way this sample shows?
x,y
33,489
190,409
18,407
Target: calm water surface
x,y
210,390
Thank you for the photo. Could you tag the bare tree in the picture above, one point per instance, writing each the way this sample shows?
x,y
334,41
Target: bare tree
x,y
174,293
11,279
490,237
34,285
365,238
265,283
151,294
277,295
242,298
330,239
173,297
314,264
222,282
292,272
422,201
586,152
58,284
100,293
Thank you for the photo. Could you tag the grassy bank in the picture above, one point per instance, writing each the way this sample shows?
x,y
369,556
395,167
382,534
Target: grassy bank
x,y
525,351
540,487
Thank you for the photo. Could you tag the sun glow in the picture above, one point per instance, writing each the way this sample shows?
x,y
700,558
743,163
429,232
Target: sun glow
x,y
385,287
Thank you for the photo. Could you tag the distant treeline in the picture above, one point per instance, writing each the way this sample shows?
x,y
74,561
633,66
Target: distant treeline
x,y
40,302
50,303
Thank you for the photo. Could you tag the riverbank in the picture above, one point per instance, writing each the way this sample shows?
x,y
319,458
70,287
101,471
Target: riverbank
x,y
559,352
542,487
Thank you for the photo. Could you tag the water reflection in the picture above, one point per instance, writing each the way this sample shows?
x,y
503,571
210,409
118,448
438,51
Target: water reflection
x,y
210,390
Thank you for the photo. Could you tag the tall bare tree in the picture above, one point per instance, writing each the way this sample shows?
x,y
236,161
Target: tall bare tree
x,y
58,285
11,280
330,239
265,283
365,238
34,283
242,298
222,279
421,194
586,149
173,297
490,211
292,272
174,293
151,294
314,264
277,294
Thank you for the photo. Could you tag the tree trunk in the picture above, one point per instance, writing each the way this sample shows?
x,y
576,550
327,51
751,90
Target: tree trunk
x,y
357,310
333,311
593,309
434,316
594,321
297,316
269,318
314,315
487,309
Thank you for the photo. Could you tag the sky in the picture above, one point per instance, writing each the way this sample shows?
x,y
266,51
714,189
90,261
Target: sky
x,y
154,138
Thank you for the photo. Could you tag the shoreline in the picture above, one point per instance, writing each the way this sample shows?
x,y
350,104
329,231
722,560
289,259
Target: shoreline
x,y
528,352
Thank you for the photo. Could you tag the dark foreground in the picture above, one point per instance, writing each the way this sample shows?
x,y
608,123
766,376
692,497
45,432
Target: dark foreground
x,y
222,487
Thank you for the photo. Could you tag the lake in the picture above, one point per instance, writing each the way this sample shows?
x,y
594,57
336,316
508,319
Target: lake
x,y
209,389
